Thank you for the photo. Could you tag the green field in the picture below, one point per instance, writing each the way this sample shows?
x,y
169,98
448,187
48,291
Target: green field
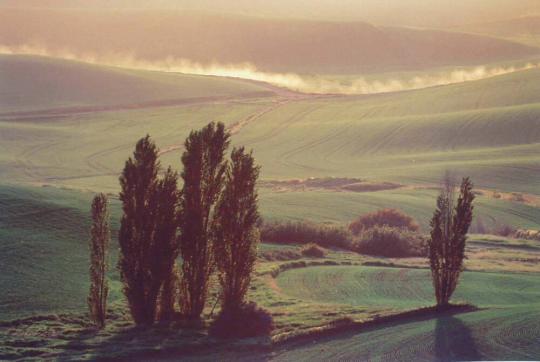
x,y
66,129
39,84
343,207
405,288
507,327
488,129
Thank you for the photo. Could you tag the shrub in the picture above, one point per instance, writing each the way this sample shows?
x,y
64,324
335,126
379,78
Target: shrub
x,y
303,232
280,255
313,251
528,234
248,320
391,242
479,227
505,230
517,197
388,217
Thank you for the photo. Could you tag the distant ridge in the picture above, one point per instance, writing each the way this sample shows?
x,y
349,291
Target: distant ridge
x,y
272,45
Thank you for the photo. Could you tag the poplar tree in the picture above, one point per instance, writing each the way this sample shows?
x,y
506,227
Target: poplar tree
x,y
147,237
203,176
166,241
236,232
449,227
99,245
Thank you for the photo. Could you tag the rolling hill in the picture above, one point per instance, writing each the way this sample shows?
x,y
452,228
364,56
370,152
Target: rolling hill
x,y
31,83
287,45
505,328
489,128
524,29
70,126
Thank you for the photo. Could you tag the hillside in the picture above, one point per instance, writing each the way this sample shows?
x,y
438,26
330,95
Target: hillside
x,y
506,327
489,129
525,29
37,83
66,129
286,45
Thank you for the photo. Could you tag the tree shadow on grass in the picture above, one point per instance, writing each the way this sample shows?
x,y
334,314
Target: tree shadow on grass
x,y
454,341
154,342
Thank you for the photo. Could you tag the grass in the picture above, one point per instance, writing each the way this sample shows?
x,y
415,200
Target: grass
x,y
44,251
506,328
88,152
487,129
39,83
343,207
44,240
508,334
403,288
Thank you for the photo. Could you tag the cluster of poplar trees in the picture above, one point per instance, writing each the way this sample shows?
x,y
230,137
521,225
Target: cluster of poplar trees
x,y
209,225
172,240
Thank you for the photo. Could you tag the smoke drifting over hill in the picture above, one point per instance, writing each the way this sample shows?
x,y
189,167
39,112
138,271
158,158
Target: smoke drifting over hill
x,y
293,81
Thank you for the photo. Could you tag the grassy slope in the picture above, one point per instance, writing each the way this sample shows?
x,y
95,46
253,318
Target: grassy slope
x,y
36,83
44,251
405,288
44,232
343,207
89,151
507,329
489,129
503,334
524,29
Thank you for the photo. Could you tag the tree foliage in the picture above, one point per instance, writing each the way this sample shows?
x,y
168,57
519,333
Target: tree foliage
x,y
236,233
166,242
203,176
147,237
99,245
449,227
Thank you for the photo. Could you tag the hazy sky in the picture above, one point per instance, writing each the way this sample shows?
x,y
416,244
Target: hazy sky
x,y
432,13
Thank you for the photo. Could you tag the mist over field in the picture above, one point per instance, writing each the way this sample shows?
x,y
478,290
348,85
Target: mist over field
x,y
302,83
281,180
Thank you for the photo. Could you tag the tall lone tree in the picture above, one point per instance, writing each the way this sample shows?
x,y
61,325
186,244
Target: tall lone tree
x,y
449,227
236,232
203,176
147,235
99,245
